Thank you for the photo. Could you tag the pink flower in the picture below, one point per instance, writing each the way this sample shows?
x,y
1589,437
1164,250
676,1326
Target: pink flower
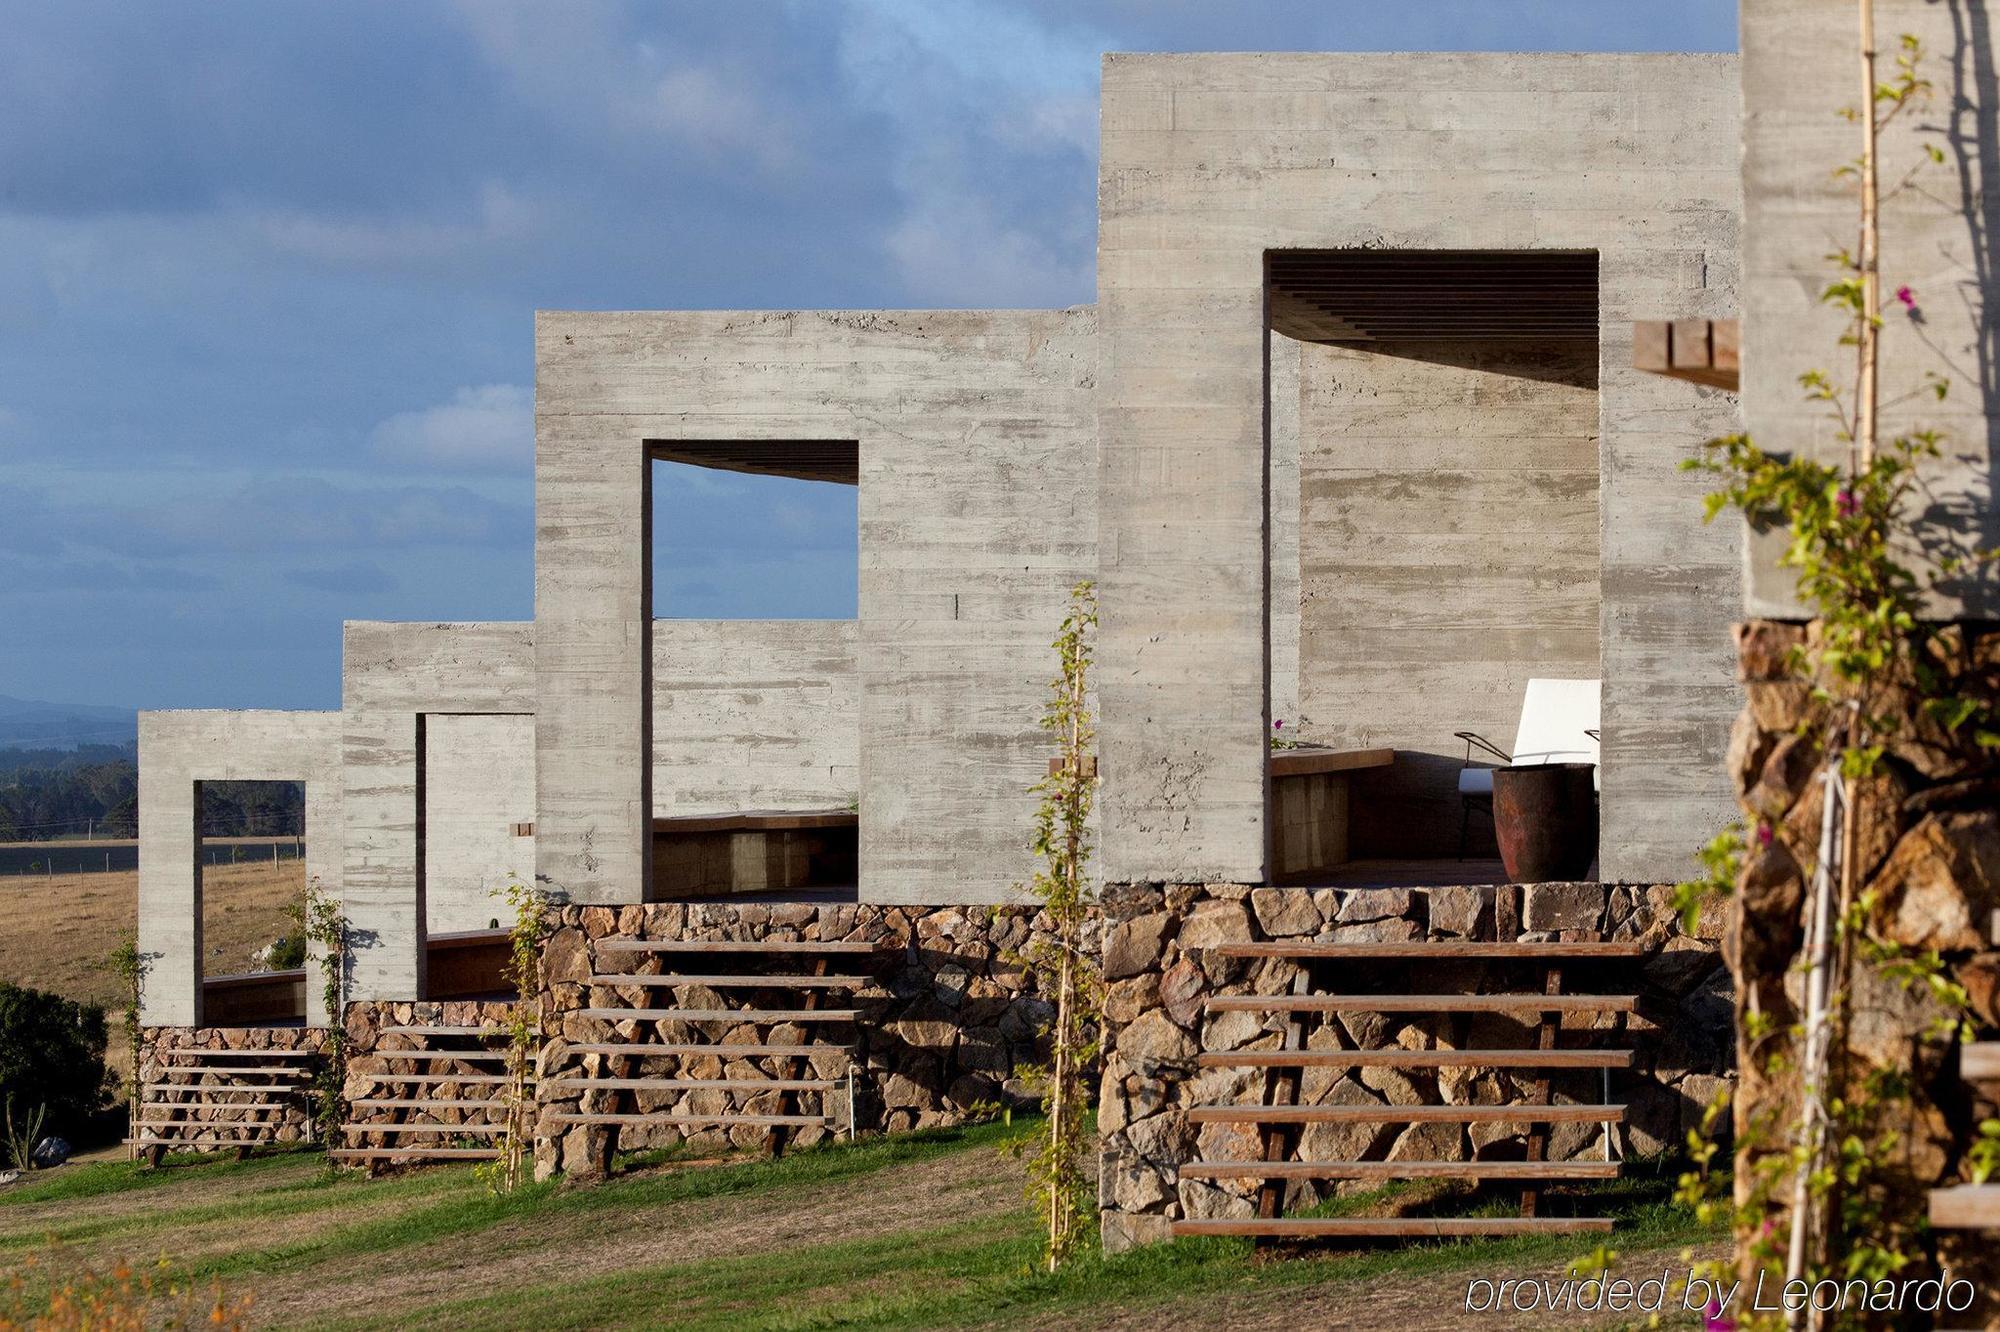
x,y
1763,834
1713,1321
1907,297
1845,502
1278,724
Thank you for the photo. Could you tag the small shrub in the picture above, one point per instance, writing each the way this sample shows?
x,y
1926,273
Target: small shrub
x,y
52,1055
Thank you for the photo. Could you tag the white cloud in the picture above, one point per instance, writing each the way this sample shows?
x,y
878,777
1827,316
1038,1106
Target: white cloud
x,y
491,426
498,216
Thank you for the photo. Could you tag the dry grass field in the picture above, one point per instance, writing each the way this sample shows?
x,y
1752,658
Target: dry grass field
x,y
55,933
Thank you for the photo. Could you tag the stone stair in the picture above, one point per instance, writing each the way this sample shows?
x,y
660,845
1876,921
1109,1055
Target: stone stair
x,y
437,1093
1500,1091
710,1037
207,1100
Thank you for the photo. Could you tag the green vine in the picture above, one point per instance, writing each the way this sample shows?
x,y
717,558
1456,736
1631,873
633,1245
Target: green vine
x,y
323,924
523,1029
1062,1172
129,966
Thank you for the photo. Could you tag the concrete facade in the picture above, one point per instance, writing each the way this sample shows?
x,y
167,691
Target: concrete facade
x,y
1207,163
178,752
1381,543
1937,239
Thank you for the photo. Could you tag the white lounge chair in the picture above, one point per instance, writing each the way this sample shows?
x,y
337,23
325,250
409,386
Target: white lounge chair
x,y
1559,724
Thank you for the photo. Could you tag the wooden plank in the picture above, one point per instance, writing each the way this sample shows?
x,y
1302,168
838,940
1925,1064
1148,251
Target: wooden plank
x,y
1400,1227
720,1051
696,1084
438,1079
1385,1170
1304,762
469,1056
217,1089
473,1130
375,1103
1438,950
1725,340
722,1014
414,1153
234,1070
242,1054
1424,1003
755,1121
421,1030
1980,1062
1652,346
1966,1207
1418,1058
1404,1114
842,946
739,982
1700,351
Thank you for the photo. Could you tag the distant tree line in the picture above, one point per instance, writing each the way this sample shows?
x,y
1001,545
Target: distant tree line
x,y
69,798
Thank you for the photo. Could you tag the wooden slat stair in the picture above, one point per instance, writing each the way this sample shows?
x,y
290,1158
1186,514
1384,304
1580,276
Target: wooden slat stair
x,y
1971,1206
644,1083
1505,976
206,1099
423,1110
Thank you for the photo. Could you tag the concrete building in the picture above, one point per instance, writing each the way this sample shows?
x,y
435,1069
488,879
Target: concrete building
x,y
1350,440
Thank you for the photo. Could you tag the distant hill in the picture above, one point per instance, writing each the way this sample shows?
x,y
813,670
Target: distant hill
x,y
27,723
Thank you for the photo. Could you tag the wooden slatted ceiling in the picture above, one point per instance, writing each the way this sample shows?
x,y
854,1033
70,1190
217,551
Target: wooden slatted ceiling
x,y
837,460
1433,295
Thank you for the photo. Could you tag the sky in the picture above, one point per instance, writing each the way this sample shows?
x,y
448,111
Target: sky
x,y
268,275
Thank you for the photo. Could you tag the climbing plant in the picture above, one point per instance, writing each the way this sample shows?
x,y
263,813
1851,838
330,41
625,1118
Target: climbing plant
x,y
1811,1198
523,1029
324,926
129,966
1062,1174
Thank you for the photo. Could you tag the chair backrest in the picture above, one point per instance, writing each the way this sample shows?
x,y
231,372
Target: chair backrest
x,y
1556,716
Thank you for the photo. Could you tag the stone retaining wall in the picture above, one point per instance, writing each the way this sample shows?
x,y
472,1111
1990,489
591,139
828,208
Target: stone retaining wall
x,y
367,1042
1929,861
1160,971
294,1125
946,1025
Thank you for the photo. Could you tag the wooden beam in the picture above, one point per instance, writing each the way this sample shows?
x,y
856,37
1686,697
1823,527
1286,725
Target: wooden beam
x,y
1700,351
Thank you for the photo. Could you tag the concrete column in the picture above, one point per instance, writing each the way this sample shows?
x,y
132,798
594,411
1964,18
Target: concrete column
x,y
169,894
382,802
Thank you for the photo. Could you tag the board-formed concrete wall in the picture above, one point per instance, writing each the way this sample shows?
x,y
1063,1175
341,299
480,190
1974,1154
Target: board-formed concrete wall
x,y
478,783
974,432
754,715
1207,162
1800,68
177,751
1448,554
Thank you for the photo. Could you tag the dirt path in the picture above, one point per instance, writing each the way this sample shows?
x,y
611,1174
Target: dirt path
x,y
922,1196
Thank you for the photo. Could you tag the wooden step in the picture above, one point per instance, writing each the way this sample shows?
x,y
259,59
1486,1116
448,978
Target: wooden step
x,y
1966,1207
432,1130
471,1056
414,1153
723,1014
203,1142
239,1054
441,1079
384,1104
1386,1170
755,1121
785,946
1424,1003
419,1030
722,1051
1397,1227
1980,1062
1417,1059
256,1112
233,1070
739,982
696,1084
207,1090
1440,950
1404,1114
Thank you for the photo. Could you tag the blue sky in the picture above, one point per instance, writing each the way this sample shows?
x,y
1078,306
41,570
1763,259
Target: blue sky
x,y
267,275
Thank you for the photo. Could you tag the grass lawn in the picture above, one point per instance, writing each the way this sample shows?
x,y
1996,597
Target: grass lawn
x,y
925,1230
